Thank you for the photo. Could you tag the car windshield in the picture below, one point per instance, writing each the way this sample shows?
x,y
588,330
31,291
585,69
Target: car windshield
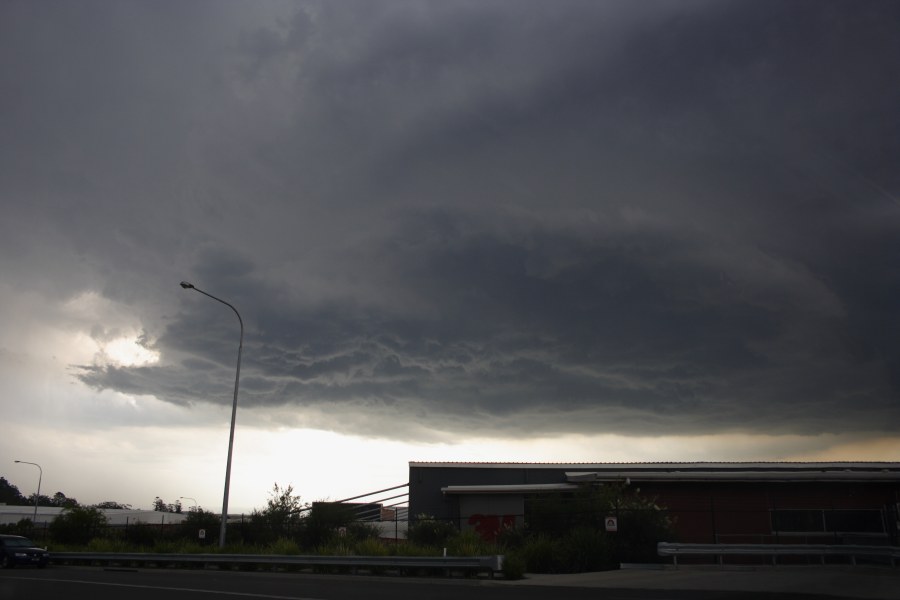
x,y
19,543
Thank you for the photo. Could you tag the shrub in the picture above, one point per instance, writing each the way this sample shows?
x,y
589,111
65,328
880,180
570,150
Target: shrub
x,y
428,531
142,534
577,520
198,519
543,554
513,566
178,547
640,529
323,522
284,546
370,547
511,538
280,518
360,530
408,549
587,549
467,543
108,545
22,527
77,525
336,546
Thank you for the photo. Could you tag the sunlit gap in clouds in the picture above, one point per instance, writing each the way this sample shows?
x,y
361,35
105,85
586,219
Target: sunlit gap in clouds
x,y
128,352
107,331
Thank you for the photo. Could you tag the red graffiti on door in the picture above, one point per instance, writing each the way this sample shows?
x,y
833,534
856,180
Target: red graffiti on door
x,y
489,526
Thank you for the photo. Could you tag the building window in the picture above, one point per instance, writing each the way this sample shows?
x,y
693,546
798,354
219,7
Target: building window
x,y
863,521
828,521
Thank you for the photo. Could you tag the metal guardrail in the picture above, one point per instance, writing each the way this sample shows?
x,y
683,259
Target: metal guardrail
x,y
485,564
891,553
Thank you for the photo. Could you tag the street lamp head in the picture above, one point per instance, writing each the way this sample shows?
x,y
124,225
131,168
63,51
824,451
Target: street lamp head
x,y
187,286
18,461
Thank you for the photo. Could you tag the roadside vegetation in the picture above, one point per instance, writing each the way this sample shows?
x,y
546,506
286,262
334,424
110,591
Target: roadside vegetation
x,y
566,533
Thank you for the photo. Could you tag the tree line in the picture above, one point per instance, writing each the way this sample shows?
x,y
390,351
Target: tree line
x,y
10,494
566,532
284,519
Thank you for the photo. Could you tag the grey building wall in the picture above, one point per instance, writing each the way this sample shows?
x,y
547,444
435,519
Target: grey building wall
x,y
425,483
488,514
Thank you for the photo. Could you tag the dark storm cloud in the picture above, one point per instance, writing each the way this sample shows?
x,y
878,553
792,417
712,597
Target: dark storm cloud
x,y
501,217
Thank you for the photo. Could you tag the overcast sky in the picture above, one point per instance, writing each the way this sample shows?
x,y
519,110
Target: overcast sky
x,y
455,230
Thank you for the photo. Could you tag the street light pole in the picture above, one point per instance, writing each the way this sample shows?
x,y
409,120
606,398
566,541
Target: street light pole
x,y
38,495
189,498
237,378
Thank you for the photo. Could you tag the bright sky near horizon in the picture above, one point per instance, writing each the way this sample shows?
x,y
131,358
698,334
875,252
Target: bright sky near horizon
x,y
469,230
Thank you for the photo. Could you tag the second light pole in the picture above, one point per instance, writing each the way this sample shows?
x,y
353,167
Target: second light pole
x,y
38,495
237,378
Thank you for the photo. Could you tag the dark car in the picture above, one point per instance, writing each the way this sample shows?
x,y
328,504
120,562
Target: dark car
x,y
18,550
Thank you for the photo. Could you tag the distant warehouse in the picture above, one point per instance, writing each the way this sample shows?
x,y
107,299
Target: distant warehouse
x,y
710,502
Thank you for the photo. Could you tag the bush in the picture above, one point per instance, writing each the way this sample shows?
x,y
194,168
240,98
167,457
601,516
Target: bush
x,y
323,522
640,529
361,530
284,546
428,531
281,518
513,566
77,525
468,543
189,529
23,527
336,546
511,538
108,545
178,547
408,549
587,549
370,547
142,535
542,554
577,521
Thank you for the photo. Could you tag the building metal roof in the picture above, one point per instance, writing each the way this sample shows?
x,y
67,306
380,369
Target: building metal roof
x,y
533,488
736,476
681,472
678,467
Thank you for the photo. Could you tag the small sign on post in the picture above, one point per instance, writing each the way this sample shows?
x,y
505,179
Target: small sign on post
x,y
612,524
202,534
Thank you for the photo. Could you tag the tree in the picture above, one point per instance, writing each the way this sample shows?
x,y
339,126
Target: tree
x,y
324,519
59,499
42,500
78,525
425,530
10,494
282,515
196,520
109,504
160,506
580,516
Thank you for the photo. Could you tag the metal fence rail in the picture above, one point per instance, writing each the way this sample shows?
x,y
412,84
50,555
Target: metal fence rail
x,y
891,553
448,564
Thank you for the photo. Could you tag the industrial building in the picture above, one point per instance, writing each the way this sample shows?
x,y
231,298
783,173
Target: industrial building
x,y
708,502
